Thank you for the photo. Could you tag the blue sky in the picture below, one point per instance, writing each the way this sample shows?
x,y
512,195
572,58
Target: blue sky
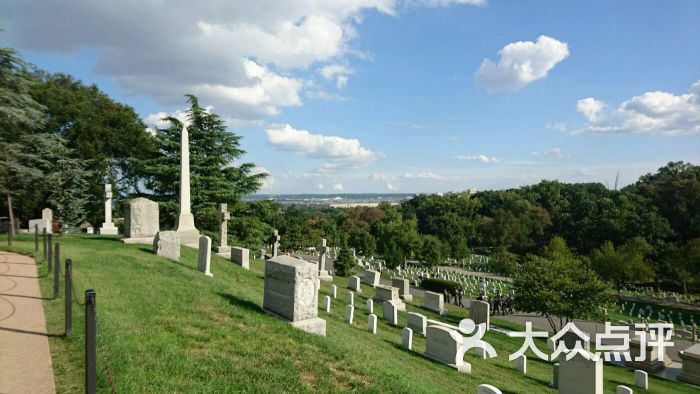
x,y
404,96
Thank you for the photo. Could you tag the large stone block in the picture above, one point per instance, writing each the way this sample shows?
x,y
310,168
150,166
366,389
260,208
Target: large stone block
x,y
387,293
434,302
167,244
479,312
141,219
241,256
417,322
580,376
41,224
291,293
404,287
370,277
690,359
444,345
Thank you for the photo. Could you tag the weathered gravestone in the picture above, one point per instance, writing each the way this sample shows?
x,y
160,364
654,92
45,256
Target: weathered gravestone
x,y
241,256
47,214
445,345
479,312
370,277
580,375
291,293
41,224
167,244
141,221
223,216
354,284
407,338
417,322
641,379
327,304
434,302
521,363
404,288
204,258
391,313
108,227
274,242
690,359
372,323
349,313
623,390
370,306
652,361
323,270
387,293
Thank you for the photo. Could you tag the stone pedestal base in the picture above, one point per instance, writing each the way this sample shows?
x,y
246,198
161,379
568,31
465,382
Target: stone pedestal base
x,y
143,240
313,326
108,229
325,276
222,250
691,365
189,237
649,366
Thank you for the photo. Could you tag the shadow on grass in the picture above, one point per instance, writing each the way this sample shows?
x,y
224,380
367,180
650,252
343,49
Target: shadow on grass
x,y
241,303
102,238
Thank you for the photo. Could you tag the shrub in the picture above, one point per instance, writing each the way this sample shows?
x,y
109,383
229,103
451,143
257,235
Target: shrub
x,y
439,285
345,264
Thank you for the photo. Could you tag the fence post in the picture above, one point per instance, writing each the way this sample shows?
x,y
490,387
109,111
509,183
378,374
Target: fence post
x,y
90,351
43,237
57,271
36,240
69,297
9,235
50,250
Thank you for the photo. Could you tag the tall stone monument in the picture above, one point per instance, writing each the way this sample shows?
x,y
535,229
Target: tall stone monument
x,y
189,235
322,249
224,216
108,227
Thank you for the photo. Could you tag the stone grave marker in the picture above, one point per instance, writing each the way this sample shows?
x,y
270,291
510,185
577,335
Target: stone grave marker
x,y
223,216
407,338
434,302
372,323
167,244
479,312
417,322
204,255
354,284
580,375
141,221
349,313
240,256
391,313
108,227
445,346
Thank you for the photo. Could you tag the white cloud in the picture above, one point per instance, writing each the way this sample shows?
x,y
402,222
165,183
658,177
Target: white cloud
x,y
338,72
338,186
561,126
480,158
520,63
425,175
325,96
653,113
552,152
335,148
391,186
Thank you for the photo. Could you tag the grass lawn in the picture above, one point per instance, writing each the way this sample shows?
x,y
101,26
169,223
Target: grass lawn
x,y
168,328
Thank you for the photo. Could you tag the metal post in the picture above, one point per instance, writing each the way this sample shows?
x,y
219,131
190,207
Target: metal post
x,y
50,250
36,239
57,271
69,295
90,350
44,240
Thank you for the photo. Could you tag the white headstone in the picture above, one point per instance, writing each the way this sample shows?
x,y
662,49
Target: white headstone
x,y
185,223
167,244
417,322
623,390
487,389
407,338
108,227
521,363
370,277
555,376
370,306
141,221
445,345
204,258
241,256
580,375
404,288
351,298
641,379
479,312
349,313
388,293
224,217
372,323
334,290
391,313
434,302
354,284
292,294
47,214
274,242
327,304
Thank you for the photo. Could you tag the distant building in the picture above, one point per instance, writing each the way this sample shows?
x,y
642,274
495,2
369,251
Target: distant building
x,y
471,191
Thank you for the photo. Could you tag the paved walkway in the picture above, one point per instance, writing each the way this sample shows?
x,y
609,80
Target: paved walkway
x,y
25,359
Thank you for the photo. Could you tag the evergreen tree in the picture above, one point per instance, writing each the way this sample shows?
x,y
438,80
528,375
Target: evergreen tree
x,y
214,178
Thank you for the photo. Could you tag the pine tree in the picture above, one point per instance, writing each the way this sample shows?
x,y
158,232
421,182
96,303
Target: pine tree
x,y
214,178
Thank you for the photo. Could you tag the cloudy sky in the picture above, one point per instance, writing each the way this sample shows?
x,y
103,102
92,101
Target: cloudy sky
x,y
398,95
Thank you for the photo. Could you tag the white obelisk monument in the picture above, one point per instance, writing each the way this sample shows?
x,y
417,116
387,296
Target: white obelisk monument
x,y
108,227
189,235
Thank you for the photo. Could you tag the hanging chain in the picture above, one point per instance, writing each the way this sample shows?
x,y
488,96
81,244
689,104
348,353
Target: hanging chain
x,y
75,297
100,341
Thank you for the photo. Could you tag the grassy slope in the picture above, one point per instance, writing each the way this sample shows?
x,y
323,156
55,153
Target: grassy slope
x,y
168,328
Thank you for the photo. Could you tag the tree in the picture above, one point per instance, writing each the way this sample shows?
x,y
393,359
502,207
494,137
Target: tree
x,y
362,241
503,262
561,290
344,263
214,177
686,267
622,265
20,114
397,237
432,251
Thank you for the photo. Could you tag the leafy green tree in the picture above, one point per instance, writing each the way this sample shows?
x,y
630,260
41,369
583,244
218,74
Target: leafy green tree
x,y
432,250
362,241
557,249
344,264
214,177
397,237
561,290
686,264
625,264
20,114
503,262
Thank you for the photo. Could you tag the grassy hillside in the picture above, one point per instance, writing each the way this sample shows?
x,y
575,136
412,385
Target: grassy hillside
x,y
168,328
